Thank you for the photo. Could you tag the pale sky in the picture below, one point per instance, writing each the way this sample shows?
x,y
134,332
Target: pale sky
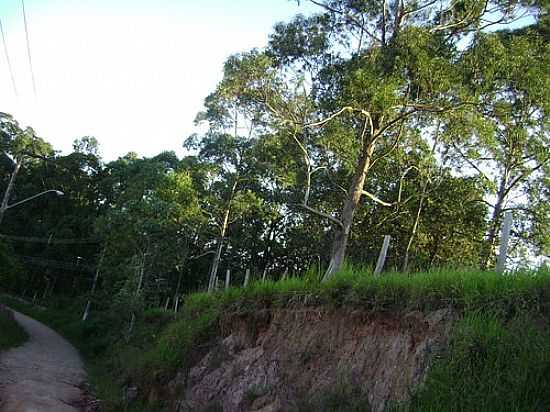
x,y
132,73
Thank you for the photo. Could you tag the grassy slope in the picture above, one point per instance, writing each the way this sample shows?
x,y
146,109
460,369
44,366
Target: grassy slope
x,y
499,358
500,350
11,334
108,359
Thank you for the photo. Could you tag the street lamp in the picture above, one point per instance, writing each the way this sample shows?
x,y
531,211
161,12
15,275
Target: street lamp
x,y
3,208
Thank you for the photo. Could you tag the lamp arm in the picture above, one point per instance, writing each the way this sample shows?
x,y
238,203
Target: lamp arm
x,y
34,197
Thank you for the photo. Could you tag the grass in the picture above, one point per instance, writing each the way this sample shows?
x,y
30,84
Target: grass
x,y
498,348
424,291
91,340
492,365
12,334
467,291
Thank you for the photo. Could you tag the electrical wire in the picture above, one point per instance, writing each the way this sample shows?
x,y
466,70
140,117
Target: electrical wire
x,y
28,46
49,240
10,69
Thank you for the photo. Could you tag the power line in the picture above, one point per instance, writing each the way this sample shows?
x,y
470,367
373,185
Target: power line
x,y
10,69
28,46
49,240
57,264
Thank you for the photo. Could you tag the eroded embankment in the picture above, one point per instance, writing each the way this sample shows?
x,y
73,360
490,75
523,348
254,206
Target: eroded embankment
x,y
285,359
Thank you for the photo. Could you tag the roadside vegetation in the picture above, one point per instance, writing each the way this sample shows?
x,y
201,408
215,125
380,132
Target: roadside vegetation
x,y
501,340
424,122
11,334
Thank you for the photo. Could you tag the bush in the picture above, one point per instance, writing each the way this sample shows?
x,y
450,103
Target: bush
x,y
12,334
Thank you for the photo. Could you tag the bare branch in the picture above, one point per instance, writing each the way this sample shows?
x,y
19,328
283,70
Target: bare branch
x,y
331,117
376,199
322,214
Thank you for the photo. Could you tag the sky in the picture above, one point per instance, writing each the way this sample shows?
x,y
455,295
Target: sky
x,y
131,73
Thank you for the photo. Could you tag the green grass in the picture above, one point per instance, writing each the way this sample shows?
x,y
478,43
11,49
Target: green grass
x,y
90,338
492,365
11,335
466,291
501,320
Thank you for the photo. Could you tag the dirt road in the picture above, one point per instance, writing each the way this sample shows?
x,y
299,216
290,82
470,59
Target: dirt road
x,y
43,375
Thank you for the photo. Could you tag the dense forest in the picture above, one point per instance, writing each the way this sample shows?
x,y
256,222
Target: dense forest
x,y
425,121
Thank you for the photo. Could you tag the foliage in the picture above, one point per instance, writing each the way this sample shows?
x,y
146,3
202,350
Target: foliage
x,y
495,309
425,121
12,334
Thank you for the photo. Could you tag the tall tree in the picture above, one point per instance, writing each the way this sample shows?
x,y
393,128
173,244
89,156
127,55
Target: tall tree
x,y
18,145
345,85
509,136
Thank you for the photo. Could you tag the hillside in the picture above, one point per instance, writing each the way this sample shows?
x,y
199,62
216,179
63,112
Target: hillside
x,y
454,341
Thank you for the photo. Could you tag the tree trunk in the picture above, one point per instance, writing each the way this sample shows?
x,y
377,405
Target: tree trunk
x,y
423,194
94,285
9,189
218,255
488,250
414,228
340,242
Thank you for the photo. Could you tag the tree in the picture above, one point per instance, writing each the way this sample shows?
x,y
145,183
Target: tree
x,y
509,136
344,85
17,146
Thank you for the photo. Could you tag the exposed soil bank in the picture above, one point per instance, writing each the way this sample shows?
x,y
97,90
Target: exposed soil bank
x,y
279,360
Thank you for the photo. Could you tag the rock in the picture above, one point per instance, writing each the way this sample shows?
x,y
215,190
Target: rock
x,y
295,355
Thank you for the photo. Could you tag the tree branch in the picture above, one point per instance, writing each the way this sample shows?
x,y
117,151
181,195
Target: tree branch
x,y
322,214
376,199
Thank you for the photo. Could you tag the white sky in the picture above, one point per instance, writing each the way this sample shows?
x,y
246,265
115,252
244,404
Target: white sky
x,y
132,73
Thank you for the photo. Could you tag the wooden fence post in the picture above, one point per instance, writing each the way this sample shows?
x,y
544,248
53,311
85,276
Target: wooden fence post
x,y
382,256
504,237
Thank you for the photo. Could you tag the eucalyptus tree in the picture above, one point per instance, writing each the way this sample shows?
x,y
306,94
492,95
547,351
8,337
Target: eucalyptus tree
x,y
228,150
509,137
345,84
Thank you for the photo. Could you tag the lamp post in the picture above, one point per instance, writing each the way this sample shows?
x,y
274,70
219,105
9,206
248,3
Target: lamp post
x,y
5,205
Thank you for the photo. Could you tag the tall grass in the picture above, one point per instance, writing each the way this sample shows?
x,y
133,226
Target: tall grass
x,y
466,291
423,291
492,365
489,338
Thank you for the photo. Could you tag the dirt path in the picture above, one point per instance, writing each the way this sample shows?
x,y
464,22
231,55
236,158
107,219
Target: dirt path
x,y
43,375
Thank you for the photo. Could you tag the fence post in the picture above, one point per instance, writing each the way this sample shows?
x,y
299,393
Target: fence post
x,y
227,278
382,256
504,237
176,304
246,277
